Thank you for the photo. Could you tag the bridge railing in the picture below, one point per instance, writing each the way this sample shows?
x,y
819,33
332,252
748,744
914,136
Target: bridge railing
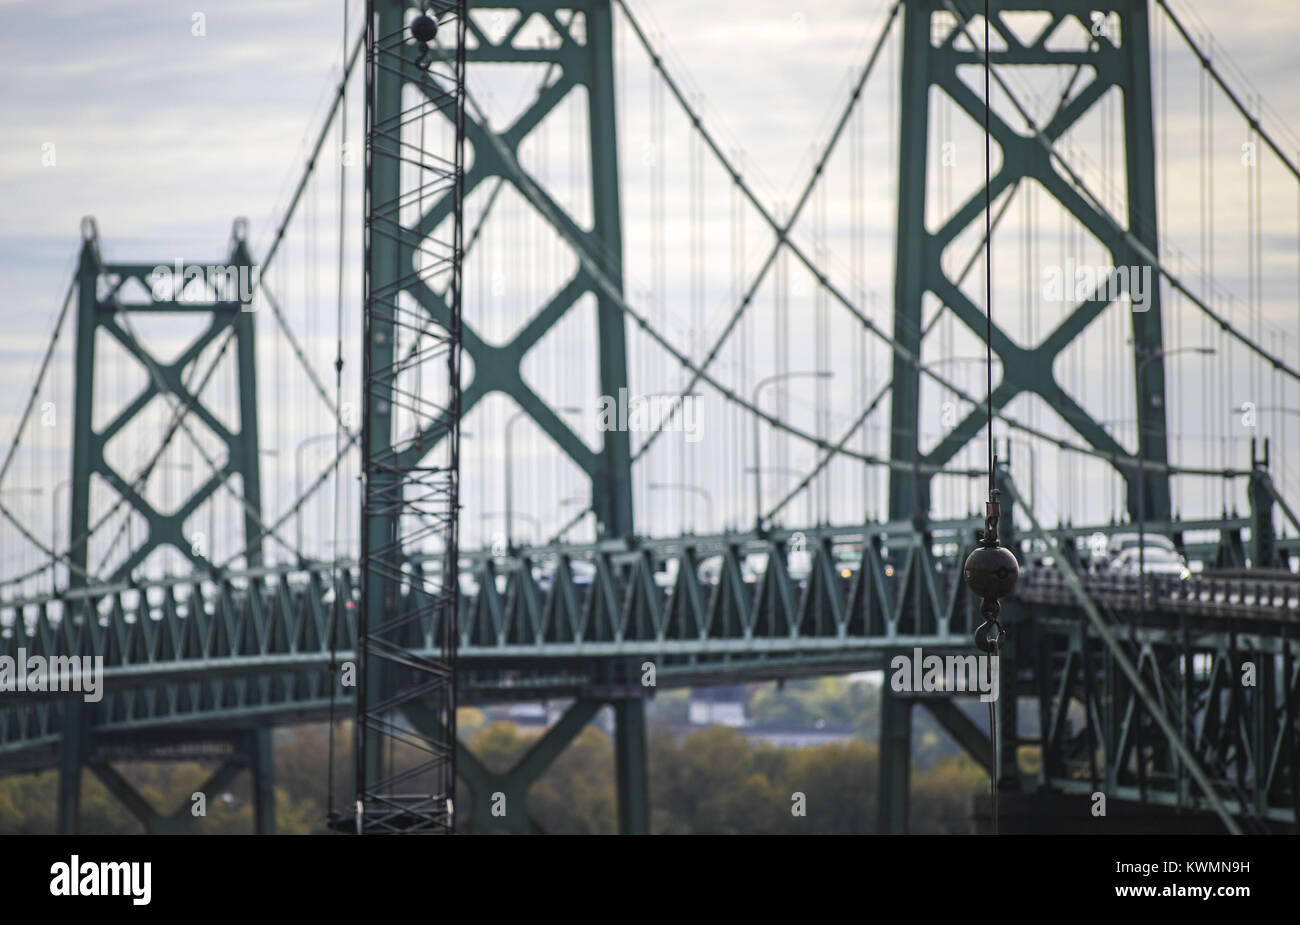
x,y
1269,598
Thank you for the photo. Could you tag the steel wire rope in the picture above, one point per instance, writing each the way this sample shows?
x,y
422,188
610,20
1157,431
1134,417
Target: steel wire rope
x,y
988,368
338,607
31,403
861,419
279,236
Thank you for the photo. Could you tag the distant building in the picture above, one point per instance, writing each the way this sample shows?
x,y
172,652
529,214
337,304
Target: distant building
x,y
718,706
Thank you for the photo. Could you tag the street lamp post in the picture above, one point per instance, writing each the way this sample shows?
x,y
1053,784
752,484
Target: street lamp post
x,y
297,479
510,507
942,360
54,531
1141,470
566,503
1033,465
29,492
680,408
758,475
918,515
683,487
527,518
1277,408
785,470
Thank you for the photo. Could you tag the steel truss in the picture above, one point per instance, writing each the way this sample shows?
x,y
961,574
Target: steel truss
x,y
405,776
1231,685
188,658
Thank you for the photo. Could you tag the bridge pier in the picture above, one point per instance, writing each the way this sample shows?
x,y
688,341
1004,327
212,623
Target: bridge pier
x,y
492,797
76,755
262,766
72,759
630,776
1263,531
500,799
1007,706
963,730
895,761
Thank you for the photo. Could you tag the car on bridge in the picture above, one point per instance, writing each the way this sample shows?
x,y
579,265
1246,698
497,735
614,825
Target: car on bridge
x,y
1157,561
1104,560
751,568
582,571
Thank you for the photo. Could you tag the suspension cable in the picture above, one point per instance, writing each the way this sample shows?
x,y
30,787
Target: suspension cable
x,y
338,403
40,376
988,370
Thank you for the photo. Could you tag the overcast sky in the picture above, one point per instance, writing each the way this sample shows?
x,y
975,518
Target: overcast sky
x,y
165,122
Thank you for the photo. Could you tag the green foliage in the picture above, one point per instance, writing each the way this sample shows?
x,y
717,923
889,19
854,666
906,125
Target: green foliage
x,y
941,798
713,780
709,783
576,794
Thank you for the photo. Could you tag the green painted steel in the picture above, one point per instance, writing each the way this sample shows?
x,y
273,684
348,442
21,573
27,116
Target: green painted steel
x,y
579,60
192,658
918,269
895,768
262,767
411,375
249,750
500,800
907,492
384,276
71,760
101,307
964,731
630,774
208,656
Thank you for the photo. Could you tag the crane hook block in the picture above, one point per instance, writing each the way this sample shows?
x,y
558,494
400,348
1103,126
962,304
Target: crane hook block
x,y
991,573
424,29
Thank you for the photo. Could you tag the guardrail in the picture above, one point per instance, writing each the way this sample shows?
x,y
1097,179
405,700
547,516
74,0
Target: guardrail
x,y
1202,595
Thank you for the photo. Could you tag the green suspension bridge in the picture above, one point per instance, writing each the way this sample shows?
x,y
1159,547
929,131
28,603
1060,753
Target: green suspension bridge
x,y
261,482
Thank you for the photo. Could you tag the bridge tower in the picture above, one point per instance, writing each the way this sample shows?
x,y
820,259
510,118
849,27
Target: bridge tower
x,y
109,296
941,38
1118,56
581,56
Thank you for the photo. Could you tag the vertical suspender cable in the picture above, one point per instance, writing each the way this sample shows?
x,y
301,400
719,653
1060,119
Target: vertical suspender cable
x,y
988,372
991,570
988,249
338,399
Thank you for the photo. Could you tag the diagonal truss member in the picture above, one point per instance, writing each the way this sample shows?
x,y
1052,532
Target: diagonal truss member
x,y
582,57
101,305
1115,60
